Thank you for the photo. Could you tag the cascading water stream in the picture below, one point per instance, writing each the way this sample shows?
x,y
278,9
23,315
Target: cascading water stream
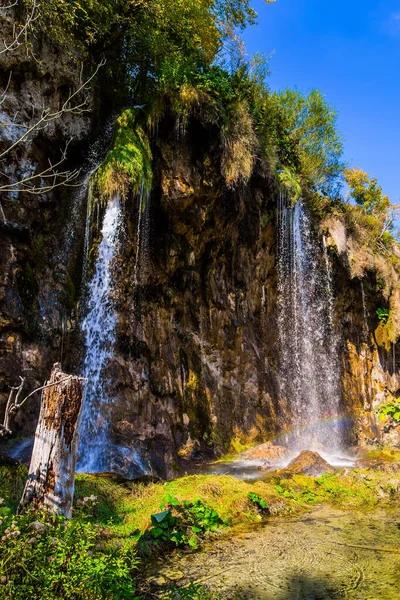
x,y
99,328
97,452
365,313
142,237
308,347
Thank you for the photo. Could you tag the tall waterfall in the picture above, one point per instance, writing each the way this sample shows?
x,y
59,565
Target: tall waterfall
x,y
309,366
97,452
99,328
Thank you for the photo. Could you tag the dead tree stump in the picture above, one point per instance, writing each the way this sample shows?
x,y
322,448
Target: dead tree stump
x,y
51,479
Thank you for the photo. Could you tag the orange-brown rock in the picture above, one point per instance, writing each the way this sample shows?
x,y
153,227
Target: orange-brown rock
x,y
269,452
310,463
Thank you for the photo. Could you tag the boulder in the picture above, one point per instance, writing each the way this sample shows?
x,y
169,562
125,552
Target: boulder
x,y
267,452
310,463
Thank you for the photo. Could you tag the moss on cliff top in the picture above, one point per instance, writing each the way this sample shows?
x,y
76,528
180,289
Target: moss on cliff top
x,y
127,166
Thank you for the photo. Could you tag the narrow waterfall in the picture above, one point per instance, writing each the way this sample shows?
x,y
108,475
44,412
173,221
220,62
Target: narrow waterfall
x,y
308,347
97,453
99,328
142,237
365,313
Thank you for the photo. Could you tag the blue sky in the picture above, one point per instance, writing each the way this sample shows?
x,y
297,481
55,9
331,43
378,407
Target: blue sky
x,y
350,50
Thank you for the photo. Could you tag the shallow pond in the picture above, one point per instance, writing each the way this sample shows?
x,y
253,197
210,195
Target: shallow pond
x,y
323,555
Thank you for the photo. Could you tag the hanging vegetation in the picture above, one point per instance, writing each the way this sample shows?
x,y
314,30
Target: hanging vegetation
x,y
127,166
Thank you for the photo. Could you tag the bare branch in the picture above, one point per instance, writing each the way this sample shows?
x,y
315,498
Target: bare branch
x,y
56,178
3,95
2,215
48,116
14,405
9,5
15,392
22,33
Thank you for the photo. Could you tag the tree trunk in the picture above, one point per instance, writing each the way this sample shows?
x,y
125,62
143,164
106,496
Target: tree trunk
x,y
51,477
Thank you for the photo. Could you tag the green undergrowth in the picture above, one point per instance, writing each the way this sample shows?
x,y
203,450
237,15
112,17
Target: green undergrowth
x,y
118,526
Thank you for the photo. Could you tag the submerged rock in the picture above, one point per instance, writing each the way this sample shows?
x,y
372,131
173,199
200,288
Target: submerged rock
x,y
310,463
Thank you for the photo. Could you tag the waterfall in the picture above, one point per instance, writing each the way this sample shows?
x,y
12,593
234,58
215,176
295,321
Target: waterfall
x,y
99,328
365,313
142,237
97,453
309,369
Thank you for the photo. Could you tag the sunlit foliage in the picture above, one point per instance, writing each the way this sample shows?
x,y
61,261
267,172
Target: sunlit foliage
x,y
366,192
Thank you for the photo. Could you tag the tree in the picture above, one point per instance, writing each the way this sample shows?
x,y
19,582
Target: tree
x,y
303,131
52,176
366,192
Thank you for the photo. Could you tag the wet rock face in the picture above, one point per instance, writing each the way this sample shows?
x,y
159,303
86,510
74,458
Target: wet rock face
x,y
35,295
196,339
310,463
271,453
370,371
196,358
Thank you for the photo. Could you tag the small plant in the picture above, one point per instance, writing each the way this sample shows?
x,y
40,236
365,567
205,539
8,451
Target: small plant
x,y
44,556
391,409
383,315
181,523
290,184
259,502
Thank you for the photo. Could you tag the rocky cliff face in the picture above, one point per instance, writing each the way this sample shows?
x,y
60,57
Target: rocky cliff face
x,y
196,359
370,362
38,252
196,363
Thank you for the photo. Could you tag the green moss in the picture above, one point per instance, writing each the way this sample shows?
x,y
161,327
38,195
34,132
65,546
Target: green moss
x,y
290,184
385,454
127,166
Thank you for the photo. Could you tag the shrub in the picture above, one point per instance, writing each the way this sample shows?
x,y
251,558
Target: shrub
x,y
383,315
180,524
390,409
239,144
259,502
48,557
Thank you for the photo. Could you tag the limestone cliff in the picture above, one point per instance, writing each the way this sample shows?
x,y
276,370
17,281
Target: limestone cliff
x,y
195,367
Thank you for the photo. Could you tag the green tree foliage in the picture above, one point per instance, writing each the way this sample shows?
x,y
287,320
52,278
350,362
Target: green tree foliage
x,y
367,192
164,54
304,131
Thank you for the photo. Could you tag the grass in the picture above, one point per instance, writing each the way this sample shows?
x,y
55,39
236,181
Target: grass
x,y
130,506
122,513
126,509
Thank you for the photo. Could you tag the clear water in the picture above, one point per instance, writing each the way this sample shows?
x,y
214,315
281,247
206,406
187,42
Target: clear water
x,y
309,369
325,555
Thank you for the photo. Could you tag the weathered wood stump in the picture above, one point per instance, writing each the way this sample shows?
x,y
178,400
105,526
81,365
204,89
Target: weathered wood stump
x,y
51,479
